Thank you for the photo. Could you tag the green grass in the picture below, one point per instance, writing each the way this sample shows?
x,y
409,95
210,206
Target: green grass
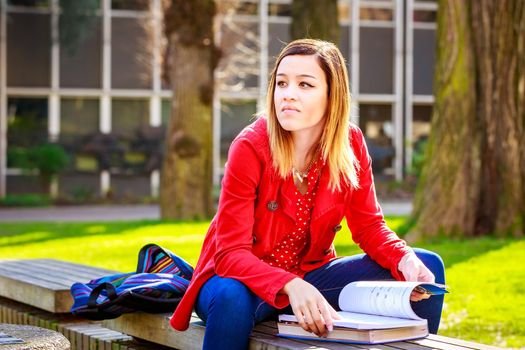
x,y
109,245
485,275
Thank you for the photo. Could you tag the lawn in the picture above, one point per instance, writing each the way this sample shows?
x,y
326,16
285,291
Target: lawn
x,y
485,275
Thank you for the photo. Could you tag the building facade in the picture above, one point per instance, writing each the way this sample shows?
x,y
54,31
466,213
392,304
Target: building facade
x,y
108,89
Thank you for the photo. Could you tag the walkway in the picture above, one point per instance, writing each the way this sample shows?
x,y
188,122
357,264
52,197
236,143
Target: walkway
x,y
82,213
127,212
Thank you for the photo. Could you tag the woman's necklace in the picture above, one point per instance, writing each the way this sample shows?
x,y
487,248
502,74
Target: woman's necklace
x,y
301,175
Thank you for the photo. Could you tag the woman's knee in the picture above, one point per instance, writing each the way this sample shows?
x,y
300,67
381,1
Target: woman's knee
x,y
433,262
232,296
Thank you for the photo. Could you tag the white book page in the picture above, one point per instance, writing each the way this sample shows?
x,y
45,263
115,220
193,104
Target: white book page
x,y
365,321
385,298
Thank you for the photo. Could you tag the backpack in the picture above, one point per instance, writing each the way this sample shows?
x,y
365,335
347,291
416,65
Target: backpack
x,y
157,286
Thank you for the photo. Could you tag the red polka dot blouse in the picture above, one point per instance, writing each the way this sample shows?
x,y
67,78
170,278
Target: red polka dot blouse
x,y
287,254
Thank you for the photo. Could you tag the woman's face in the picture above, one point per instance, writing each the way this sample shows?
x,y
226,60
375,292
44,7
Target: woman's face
x,y
300,97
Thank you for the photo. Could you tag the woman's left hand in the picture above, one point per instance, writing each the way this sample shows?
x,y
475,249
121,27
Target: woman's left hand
x,y
413,269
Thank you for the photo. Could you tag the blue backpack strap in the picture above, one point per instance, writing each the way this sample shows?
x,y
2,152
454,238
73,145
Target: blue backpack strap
x,y
155,259
95,293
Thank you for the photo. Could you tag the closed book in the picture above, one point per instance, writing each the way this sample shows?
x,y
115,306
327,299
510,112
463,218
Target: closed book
x,y
352,335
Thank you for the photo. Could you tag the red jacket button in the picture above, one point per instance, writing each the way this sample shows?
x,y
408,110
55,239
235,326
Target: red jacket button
x,y
272,206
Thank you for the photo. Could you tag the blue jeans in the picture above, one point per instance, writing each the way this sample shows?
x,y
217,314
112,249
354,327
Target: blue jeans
x,y
230,310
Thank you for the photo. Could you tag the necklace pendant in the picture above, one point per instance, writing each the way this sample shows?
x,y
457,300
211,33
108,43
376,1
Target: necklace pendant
x,y
298,175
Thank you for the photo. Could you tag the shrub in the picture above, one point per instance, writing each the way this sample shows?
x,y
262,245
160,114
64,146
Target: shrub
x,y
25,200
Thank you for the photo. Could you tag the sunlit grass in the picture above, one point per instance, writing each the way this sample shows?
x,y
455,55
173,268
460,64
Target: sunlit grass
x,y
108,245
485,275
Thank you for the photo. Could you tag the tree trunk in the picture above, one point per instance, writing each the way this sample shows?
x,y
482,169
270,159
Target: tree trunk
x,y
186,180
473,181
316,19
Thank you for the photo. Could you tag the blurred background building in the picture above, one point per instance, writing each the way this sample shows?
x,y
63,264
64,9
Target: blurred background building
x,y
106,102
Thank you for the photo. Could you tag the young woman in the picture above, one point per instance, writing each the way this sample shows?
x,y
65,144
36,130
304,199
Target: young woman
x,y
291,178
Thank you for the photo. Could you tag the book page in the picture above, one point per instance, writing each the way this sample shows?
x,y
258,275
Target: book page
x,y
385,298
367,321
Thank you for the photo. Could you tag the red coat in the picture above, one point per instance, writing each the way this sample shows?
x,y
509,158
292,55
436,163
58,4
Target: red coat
x,y
256,210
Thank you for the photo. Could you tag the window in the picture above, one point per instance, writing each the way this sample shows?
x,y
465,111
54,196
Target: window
x,y
421,117
128,116
375,14
166,111
131,54
424,61
376,122
130,121
344,44
279,36
29,3
376,60
26,128
135,5
26,123
425,16
240,44
235,115
80,67
283,10
28,50
79,121
245,7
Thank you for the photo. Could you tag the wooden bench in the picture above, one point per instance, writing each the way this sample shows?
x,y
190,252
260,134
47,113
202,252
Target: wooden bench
x,y
45,283
36,292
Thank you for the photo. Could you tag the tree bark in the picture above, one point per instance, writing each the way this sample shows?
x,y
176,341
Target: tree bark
x,y
473,180
186,178
316,19
495,40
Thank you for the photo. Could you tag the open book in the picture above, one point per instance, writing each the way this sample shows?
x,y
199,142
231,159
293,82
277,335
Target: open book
x,y
373,312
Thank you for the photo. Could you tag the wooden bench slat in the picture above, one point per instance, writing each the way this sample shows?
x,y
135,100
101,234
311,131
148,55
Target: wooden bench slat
x,y
41,272
406,345
461,342
435,344
40,277
41,297
24,282
259,341
58,272
74,267
29,278
271,327
84,274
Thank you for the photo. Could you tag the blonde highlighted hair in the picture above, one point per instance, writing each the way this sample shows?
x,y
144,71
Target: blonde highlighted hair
x,y
334,143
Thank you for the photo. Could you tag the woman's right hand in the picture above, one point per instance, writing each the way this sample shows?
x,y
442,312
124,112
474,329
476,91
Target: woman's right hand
x,y
311,309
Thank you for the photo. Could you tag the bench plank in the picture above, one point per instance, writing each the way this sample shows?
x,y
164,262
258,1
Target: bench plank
x,y
52,272
440,343
156,328
272,326
43,283
465,343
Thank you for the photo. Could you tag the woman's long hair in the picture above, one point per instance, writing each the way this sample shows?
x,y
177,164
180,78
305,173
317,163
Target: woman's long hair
x,y
334,142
